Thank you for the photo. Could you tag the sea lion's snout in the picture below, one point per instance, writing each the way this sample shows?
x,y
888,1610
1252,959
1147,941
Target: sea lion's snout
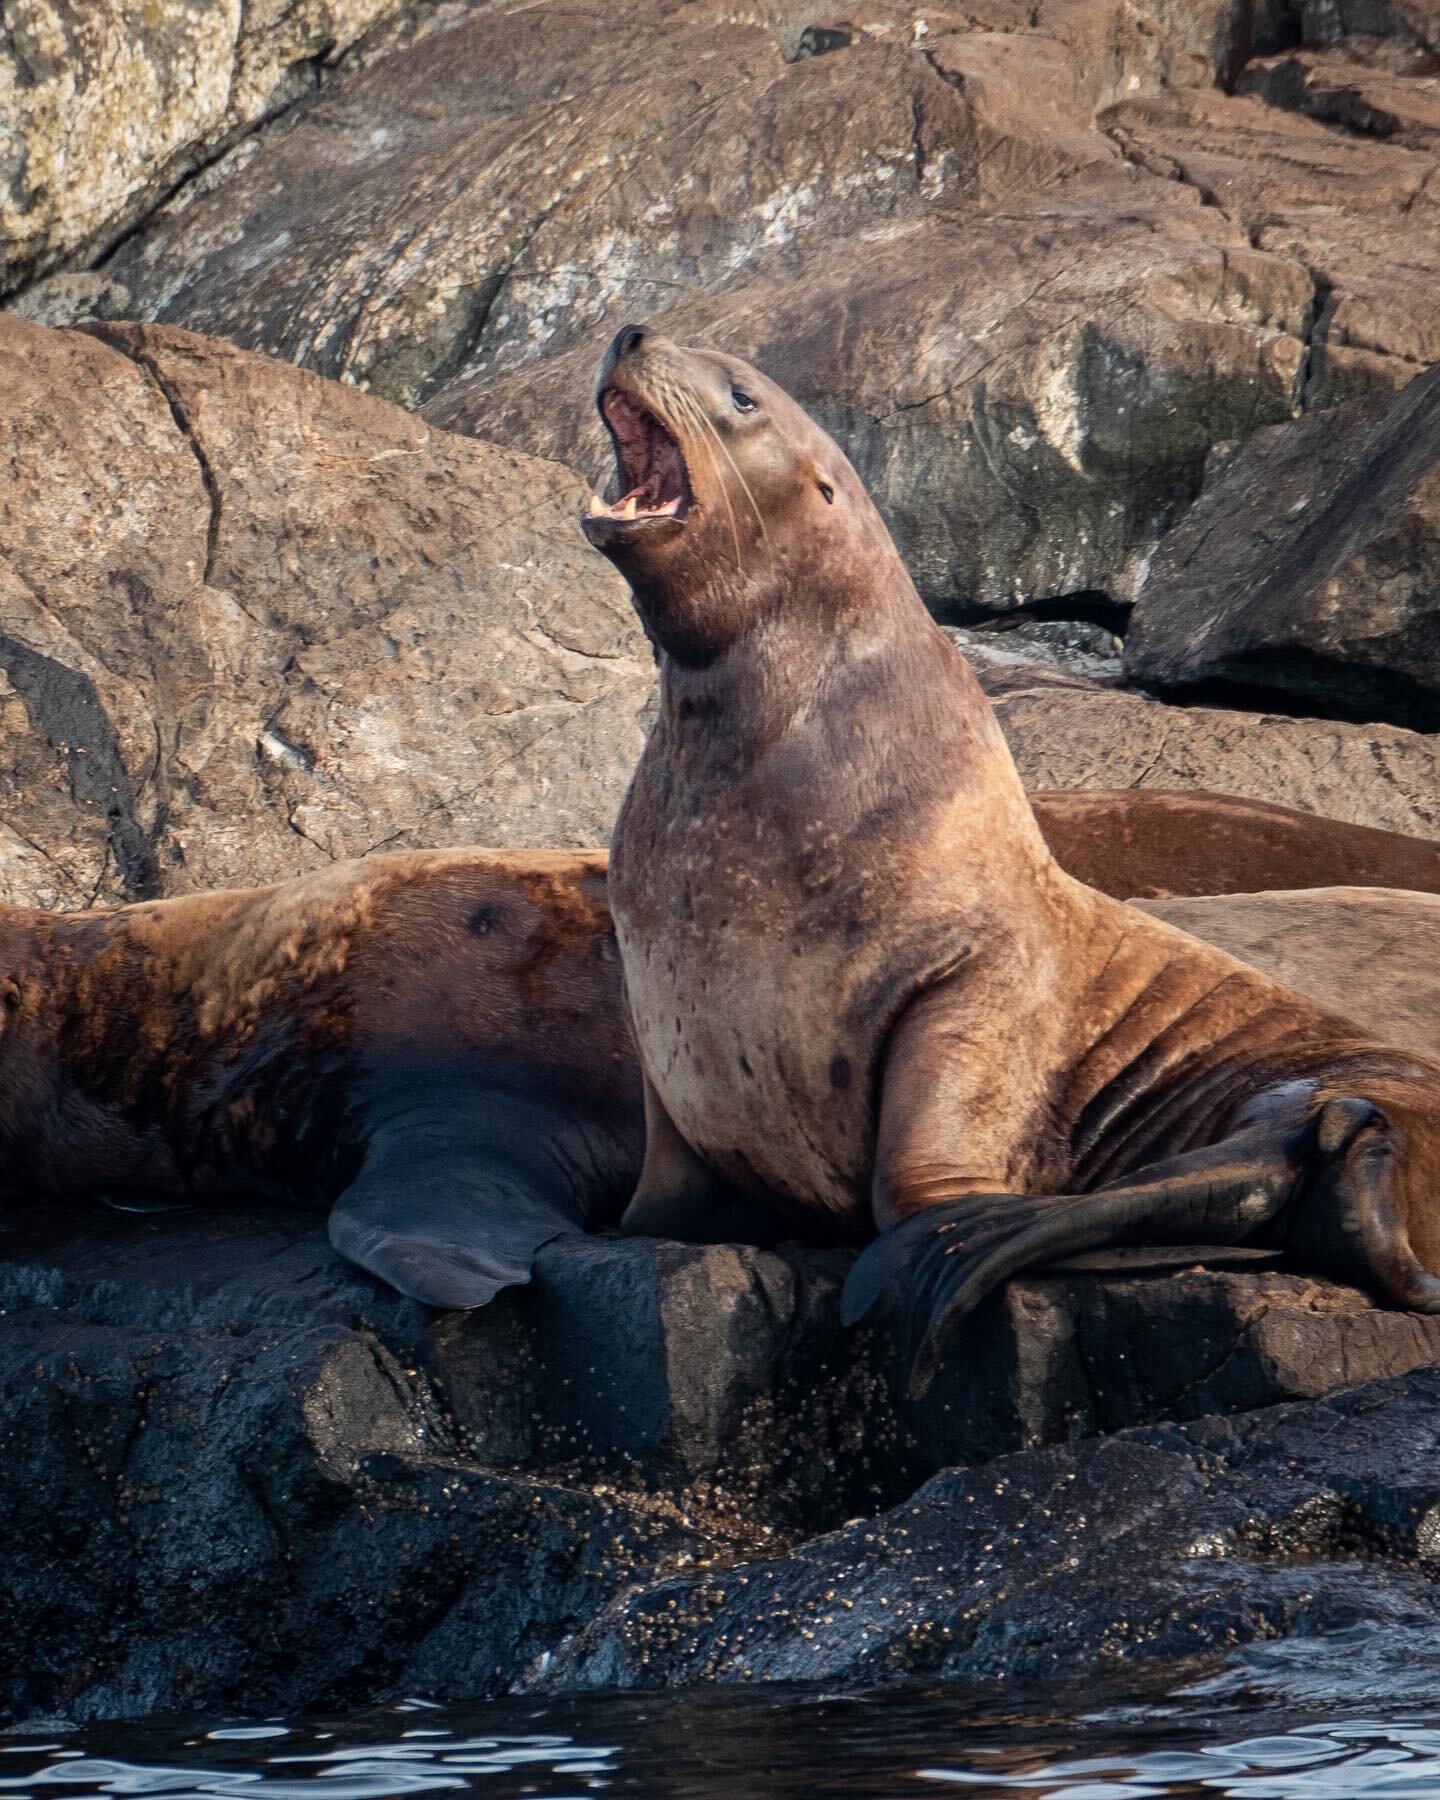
x,y
650,472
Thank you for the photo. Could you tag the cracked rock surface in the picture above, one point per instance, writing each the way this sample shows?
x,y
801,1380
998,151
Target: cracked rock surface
x,y
1030,264
239,1475
251,620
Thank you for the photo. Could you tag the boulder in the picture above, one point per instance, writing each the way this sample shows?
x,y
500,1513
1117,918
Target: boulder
x,y
1372,954
105,107
238,1475
251,621
1309,568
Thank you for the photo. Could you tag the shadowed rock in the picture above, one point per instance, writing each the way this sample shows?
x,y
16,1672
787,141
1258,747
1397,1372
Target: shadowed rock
x,y
1309,568
238,1475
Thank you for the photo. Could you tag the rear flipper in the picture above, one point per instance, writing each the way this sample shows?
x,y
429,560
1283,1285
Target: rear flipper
x,y
952,1255
449,1215
1353,1221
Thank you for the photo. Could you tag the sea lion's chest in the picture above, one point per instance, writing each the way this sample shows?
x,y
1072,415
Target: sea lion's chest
x,y
762,975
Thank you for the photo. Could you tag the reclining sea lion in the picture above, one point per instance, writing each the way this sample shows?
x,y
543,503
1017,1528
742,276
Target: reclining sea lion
x,y
434,1040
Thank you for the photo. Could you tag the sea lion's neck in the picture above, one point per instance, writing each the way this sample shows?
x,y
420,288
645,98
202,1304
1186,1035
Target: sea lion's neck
x,y
874,696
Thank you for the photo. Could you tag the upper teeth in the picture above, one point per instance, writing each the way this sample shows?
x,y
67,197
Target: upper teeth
x,y
627,511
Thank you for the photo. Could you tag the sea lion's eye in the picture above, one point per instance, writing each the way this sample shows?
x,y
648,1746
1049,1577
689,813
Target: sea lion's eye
x,y
743,402
828,492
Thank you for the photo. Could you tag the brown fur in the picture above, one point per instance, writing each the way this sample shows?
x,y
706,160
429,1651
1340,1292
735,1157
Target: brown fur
x,y
1149,843
260,1039
862,987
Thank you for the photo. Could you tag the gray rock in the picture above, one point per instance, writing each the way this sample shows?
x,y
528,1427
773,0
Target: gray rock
x,y
1309,569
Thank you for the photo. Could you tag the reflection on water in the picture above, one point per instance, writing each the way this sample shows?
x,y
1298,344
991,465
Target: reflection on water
x,y
771,1744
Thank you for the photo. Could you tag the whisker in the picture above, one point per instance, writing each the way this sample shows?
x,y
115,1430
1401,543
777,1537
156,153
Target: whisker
x,y
759,518
690,408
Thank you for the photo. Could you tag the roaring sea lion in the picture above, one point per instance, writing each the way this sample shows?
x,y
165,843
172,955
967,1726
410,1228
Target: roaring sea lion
x,y
866,997
433,1039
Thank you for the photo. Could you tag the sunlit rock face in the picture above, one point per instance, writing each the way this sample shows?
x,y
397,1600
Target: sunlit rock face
x,y
105,107
254,621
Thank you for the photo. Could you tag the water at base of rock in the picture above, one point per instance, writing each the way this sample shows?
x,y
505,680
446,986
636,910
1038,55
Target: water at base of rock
x,y
1220,1735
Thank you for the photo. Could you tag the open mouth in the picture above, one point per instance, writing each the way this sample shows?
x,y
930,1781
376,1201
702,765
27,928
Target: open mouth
x,y
648,462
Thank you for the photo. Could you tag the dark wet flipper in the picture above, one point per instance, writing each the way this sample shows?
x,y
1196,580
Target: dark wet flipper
x,y
451,1237
951,1256
456,1195
1350,1223
912,1266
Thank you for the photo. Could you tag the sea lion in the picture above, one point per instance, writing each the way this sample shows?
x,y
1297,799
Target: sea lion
x,y
1151,842
434,1040
266,1040
866,997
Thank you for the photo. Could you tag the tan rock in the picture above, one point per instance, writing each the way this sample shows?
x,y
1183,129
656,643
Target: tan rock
x,y
1372,954
1376,775
250,620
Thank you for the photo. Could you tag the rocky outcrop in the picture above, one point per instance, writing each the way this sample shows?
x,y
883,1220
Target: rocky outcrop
x,y
1309,566
251,621
239,1475
1030,265
105,107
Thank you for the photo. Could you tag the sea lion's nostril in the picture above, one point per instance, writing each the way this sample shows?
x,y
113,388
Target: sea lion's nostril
x,y
628,339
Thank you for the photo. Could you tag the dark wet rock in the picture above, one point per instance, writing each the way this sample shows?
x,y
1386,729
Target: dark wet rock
x,y
1310,569
230,1484
237,1474
1152,1546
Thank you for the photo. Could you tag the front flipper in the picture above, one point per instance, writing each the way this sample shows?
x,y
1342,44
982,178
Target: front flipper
x,y
679,1196
456,1196
954,1253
